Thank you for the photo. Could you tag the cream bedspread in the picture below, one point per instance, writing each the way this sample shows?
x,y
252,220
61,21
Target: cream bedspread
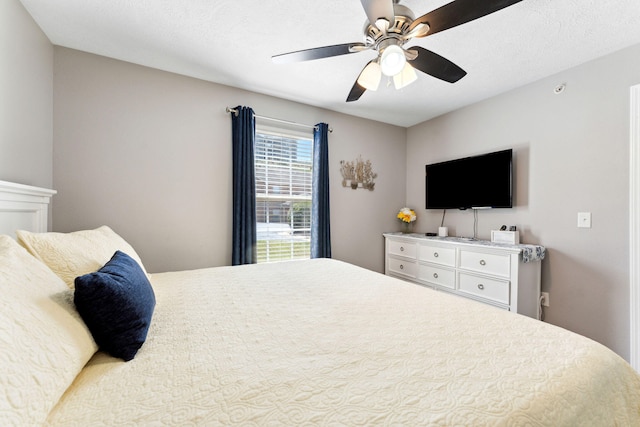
x,y
321,342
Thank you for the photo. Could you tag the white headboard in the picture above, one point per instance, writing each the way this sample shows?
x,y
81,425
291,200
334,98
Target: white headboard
x,y
23,207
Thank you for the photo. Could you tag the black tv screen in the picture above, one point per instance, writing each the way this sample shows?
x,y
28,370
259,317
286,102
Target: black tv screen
x,y
478,182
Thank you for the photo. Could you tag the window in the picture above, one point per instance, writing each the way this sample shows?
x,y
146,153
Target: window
x,y
283,162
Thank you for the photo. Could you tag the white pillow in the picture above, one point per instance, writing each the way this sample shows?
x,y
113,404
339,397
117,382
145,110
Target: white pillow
x,y
44,343
70,255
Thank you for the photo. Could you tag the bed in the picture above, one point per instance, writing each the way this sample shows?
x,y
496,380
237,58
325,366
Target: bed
x,y
315,342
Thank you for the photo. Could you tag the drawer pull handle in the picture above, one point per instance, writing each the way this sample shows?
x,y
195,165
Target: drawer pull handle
x,y
401,267
435,275
436,254
483,262
401,248
480,286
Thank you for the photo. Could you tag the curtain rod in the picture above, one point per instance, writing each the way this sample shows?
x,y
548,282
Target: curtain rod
x,y
234,111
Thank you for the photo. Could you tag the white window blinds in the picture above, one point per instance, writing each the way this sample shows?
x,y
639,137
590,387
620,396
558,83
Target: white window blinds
x,y
283,164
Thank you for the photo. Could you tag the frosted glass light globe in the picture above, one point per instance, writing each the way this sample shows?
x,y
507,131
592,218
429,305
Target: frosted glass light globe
x,y
392,60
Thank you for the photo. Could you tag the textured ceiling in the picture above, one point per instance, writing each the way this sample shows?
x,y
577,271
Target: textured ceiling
x,y
231,42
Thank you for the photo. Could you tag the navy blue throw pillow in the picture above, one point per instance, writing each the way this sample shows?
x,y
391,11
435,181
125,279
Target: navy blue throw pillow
x,y
116,302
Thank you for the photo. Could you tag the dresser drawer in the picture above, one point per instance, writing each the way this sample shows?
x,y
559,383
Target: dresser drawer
x,y
497,265
491,289
444,256
405,249
437,276
402,267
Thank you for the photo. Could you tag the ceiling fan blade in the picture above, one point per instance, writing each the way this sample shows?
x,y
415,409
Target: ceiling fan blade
x,y
435,65
377,9
318,53
459,12
356,92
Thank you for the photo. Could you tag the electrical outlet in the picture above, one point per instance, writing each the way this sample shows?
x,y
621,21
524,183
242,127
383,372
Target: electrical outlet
x,y
544,299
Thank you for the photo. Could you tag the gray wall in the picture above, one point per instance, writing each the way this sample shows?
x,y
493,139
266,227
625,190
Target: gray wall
x,y
149,153
572,155
26,98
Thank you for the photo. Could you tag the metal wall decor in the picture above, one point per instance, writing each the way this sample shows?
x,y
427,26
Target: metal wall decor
x,y
358,174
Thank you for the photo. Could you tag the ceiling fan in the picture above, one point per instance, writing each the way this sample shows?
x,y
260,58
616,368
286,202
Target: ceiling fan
x,y
388,27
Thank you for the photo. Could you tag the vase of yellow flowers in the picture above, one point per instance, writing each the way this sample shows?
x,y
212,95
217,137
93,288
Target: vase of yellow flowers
x,y
407,217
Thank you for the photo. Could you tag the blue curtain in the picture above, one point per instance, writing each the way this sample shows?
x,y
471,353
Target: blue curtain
x,y
320,229
244,187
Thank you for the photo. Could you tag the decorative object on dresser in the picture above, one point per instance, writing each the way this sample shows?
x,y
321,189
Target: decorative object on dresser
x,y
407,217
504,276
502,236
442,230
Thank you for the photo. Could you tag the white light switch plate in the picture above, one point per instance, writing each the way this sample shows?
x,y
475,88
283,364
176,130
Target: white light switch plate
x,y
584,219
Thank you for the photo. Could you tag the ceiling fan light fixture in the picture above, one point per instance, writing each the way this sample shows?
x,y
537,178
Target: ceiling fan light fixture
x,y
390,26
406,77
392,60
370,77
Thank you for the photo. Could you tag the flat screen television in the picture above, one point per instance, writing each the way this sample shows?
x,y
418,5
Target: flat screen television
x,y
477,182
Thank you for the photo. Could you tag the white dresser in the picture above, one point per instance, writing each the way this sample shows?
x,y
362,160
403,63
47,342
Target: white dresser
x,y
491,273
